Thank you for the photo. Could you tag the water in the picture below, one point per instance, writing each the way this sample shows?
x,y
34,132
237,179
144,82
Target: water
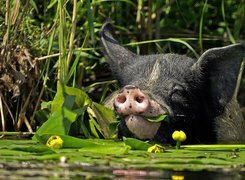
x,y
26,159
51,170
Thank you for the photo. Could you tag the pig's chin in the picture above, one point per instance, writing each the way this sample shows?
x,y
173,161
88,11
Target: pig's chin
x,y
141,127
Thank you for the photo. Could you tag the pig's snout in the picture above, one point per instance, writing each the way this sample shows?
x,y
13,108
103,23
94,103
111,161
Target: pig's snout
x,y
131,101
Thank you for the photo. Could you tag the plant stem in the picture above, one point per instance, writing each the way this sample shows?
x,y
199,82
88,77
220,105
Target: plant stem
x,y
2,115
7,35
73,30
15,133
62,58
178,143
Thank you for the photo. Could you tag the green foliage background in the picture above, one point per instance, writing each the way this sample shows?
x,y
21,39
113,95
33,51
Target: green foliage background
x,y
63,38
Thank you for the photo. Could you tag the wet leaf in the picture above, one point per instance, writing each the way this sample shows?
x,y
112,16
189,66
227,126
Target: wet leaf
x,y
115,150
136,144
112,154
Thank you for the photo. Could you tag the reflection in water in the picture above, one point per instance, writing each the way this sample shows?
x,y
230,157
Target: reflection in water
x,y
177,175
85,171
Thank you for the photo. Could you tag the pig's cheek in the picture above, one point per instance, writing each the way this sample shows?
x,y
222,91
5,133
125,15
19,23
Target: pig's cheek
x,y
155,108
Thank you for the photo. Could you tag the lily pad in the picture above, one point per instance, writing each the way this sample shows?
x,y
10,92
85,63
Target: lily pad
x,y
136,144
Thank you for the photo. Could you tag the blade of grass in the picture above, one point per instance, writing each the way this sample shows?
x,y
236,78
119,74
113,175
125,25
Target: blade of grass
x,y
15,11
45,79
62,58
20,18
239,21
132,3
105,90
3,123
226,24
73,31
8,109
178,40
7,23
74,65
90,22
139,8
99,83
204,9
52,3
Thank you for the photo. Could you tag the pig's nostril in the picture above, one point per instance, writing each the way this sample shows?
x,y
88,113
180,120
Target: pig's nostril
x,y
121,99
139,99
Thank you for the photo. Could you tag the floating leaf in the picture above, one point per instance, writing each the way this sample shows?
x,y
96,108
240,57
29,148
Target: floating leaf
x,y
88,145
136,144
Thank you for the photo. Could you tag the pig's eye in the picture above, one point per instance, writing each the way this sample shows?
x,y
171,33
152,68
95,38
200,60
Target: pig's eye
x,y
177,93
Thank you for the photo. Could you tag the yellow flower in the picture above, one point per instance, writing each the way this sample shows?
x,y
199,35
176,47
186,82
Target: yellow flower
x,y
179,136
176,177
155,149
55,142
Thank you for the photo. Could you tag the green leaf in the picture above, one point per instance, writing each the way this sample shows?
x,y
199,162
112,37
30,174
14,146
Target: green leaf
x,y
94,127
113,129
80,124
52,3
45,104
90,22
69,101
69,141
104,117
58,123
89,145
33,4
158,119
106,149
25,146
216,147
81,98
41,116
136,144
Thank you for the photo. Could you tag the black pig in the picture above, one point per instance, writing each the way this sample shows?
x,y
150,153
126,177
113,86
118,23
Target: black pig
x,y
199,97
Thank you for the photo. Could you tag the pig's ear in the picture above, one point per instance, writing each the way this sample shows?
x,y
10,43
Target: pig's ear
x,y
221,67
117,55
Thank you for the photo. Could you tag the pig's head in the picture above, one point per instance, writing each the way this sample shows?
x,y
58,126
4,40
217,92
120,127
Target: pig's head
x,y
185,90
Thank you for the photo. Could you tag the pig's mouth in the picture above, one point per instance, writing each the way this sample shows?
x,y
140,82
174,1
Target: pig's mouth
x,y
141,114
143,127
